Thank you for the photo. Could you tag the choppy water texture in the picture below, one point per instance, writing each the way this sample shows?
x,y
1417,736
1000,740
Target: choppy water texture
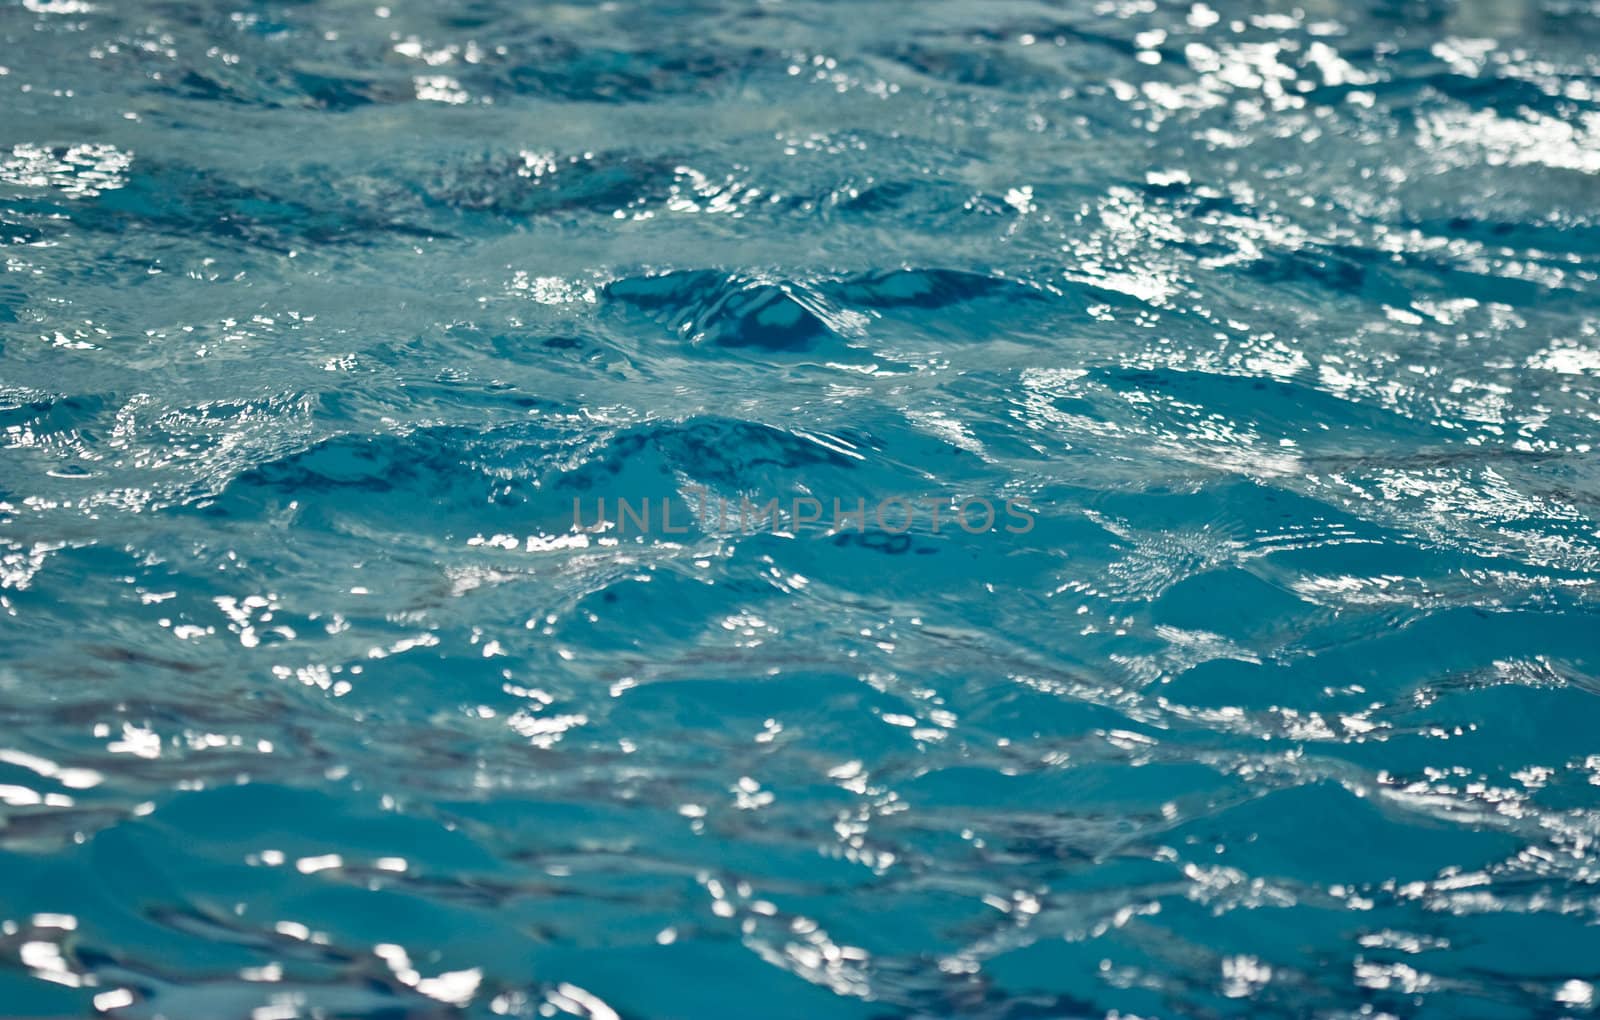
x,y
317,316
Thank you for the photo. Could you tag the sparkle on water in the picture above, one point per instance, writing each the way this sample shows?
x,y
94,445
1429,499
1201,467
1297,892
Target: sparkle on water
x,y
318,316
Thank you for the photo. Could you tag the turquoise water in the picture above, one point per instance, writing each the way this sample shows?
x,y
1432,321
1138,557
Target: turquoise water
x,y
1278,326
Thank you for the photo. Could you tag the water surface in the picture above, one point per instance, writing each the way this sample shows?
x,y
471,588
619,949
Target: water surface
x,y
317,317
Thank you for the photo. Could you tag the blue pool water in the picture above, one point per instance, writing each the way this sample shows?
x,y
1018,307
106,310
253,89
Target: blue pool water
x,y
1278,324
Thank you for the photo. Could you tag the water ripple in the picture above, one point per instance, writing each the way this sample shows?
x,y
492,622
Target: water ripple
x,y
328,686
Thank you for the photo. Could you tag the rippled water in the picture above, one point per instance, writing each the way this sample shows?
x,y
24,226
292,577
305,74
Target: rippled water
x,y
318,317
